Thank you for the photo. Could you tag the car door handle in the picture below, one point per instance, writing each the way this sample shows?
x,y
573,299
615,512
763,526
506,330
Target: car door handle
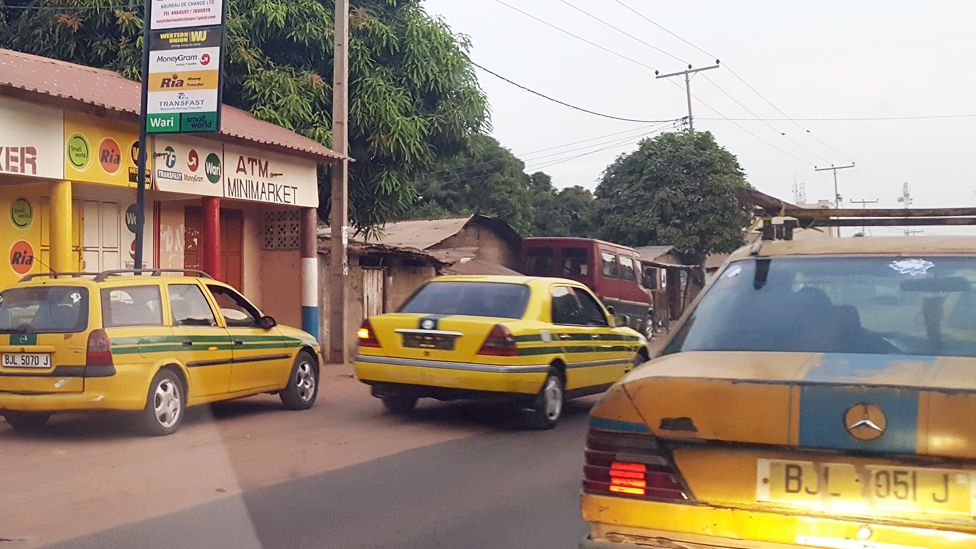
x,y
565,336
187,343
238,343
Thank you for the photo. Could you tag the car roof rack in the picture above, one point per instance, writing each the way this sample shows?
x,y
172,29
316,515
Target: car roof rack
x,y
55,274
104,275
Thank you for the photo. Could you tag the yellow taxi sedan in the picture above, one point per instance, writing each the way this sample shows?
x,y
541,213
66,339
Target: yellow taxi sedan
x,y
536,341
819,394
150,344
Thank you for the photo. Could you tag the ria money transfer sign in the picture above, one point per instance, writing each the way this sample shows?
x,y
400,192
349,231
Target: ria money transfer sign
x,y
185,49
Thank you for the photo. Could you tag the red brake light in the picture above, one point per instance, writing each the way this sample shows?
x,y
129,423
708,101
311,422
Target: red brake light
x,y
366,335
625,464
500,342
99,349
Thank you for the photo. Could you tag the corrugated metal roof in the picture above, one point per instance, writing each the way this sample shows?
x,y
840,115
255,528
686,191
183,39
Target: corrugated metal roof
x,y
104,89
478,267
650,253
420,233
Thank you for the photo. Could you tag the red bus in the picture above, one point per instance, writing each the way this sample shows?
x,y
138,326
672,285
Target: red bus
x,y
612,271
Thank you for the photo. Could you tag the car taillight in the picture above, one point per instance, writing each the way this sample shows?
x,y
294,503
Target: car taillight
x,y
500,342
629,465
366,335
99,349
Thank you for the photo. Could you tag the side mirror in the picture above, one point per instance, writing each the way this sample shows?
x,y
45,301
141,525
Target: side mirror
x,y
611,310
267,322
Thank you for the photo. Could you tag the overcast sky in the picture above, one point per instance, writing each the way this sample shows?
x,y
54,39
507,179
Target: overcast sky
x,y
823,59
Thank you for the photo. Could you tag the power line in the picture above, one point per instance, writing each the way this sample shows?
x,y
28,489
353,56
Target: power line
x,y
565,104
740,78
854,118
576,36
618,29
770,126
584,141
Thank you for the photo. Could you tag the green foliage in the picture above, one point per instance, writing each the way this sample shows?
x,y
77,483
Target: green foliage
x,y
413,95
677,189
488,179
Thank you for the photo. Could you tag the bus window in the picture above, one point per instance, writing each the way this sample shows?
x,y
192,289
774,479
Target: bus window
x,y
538,262
574,262
610,265
627,270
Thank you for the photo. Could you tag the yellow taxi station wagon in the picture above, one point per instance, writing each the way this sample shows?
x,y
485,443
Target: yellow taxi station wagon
x,y
150,344
535,341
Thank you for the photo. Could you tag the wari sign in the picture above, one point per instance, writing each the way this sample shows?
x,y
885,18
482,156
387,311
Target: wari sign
x,y
188,165
270,178
171,14
185,55
99,150
31,140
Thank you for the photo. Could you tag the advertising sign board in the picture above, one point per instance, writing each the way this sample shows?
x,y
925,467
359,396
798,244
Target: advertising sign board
x,y
183,84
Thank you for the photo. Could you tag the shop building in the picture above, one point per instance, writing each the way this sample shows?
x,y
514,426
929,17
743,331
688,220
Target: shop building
x,y
240,205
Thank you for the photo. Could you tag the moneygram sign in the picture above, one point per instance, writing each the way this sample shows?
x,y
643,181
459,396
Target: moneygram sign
x,y
185,55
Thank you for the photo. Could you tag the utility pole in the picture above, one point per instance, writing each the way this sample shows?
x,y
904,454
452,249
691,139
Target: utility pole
x,y
687,74
837,197
339,214
907,199
864,204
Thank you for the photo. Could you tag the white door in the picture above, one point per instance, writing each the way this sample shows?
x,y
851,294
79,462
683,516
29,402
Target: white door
x,y
373,292
102,222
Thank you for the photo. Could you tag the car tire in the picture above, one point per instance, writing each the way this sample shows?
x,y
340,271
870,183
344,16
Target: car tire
x,y
399,404
165,405
547,407
639,359
26,421
303,384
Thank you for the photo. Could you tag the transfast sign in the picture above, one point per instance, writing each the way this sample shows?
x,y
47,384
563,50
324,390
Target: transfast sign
x,y
188,165
171,14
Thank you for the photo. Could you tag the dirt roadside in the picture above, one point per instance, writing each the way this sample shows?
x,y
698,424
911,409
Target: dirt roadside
x,y
84,474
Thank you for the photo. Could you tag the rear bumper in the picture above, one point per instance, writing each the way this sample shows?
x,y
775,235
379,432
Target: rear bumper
x,y
461,376
121,388
624,523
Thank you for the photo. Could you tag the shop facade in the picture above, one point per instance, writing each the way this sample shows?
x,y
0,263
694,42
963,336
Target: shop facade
x,y
240,205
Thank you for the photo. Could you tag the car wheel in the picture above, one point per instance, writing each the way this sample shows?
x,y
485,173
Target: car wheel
x,y
639,358
165,404
303,385
26,421
547,407
399,404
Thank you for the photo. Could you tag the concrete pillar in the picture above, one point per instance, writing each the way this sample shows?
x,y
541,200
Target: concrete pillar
x,y
60,228
310,272
211,261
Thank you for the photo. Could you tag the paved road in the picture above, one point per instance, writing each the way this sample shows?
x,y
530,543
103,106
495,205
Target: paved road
x,y
500,488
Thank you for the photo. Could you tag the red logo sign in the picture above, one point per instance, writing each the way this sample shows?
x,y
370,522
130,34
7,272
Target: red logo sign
x,y
110,156
22,257
193,161
205,59
132,250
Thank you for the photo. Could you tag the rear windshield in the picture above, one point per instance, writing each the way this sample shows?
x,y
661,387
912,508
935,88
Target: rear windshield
x,y
492,299
875,305
44,309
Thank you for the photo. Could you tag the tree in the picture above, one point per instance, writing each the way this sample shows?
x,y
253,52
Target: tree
x,y
678,189
487,178
414,96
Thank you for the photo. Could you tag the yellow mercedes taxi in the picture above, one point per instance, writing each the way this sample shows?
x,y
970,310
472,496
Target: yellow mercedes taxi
x,y
535,341
150,344
819,394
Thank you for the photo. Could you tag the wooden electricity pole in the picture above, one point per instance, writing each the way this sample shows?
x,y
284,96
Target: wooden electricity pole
x,y
339,214
838,199
687,74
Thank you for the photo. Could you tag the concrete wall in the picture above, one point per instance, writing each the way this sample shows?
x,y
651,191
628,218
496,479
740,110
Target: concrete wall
x,y
280,286
487,244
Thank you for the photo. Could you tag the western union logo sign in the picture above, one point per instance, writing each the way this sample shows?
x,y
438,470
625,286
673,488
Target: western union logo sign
x,y
208,37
